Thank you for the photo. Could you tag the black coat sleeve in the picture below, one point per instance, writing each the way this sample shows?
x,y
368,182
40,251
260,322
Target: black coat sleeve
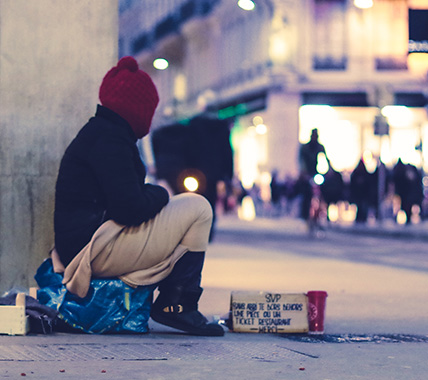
x,y
120,173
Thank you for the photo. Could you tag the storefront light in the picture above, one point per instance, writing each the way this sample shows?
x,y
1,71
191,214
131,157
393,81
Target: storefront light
x,y
258,126
385,151
315,116
248,159
347,211
257,120
261,129
252,131
398,116
247,211
317,113
363,4
246,5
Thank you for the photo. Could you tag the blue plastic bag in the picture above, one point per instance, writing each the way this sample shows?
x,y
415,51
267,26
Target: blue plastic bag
x,y
110,306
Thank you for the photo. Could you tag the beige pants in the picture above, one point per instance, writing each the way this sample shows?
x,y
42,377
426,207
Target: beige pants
x,y
144,254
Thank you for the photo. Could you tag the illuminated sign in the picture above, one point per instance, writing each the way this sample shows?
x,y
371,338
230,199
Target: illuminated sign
x,y
240,107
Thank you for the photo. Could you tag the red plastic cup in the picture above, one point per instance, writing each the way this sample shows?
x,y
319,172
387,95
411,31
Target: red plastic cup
x,y
316,311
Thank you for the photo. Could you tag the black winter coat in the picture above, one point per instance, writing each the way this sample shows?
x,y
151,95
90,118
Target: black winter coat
x,y
101,177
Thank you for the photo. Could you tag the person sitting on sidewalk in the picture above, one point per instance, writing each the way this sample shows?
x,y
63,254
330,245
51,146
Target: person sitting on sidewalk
x,y
109,222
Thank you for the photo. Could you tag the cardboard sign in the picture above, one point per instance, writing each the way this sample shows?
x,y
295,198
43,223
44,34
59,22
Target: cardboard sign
x,y
262,312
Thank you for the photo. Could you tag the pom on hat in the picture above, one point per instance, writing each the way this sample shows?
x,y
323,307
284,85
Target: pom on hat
x,y
128,63
131,93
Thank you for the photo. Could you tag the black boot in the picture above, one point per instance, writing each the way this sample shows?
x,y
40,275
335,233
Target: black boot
x,y
177,303
178,308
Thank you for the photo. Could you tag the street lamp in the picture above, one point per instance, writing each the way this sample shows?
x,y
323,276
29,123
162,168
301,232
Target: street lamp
x,y
191,184
160,64
363,4
247,5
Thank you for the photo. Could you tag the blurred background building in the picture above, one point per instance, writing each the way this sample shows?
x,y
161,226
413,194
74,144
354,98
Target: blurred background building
x,y
279,68
273,72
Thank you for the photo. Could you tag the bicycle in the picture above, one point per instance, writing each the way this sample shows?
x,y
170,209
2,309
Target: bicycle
x,y
318,209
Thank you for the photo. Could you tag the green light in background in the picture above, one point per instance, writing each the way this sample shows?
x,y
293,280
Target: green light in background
x,y
225,113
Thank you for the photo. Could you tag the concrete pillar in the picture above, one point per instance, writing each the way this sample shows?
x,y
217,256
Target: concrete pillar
x,y
283,139
53,55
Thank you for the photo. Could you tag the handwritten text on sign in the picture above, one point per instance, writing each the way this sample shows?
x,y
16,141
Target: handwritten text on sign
x,y
264,312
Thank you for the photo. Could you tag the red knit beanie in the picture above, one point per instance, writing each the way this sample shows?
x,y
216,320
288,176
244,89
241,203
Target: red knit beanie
x,y
131,93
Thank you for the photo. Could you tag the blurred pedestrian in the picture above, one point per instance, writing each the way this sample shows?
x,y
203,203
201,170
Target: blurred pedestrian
x,y
308,162
408,186
379,187
360,188
332,189
276,192
308,154
302,190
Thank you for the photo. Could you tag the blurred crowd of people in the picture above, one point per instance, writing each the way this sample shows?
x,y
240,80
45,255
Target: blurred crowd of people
x,y
402,189
395,193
